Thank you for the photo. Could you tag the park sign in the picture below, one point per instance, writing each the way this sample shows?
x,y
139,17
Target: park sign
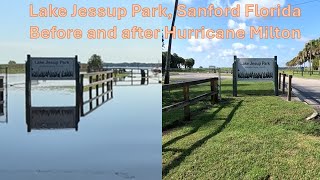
x,y
255,69
43,68
48,68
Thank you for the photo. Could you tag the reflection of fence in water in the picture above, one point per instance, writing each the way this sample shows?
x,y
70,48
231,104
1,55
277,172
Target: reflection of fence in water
x,y
4,96
98,81
131,81
44,118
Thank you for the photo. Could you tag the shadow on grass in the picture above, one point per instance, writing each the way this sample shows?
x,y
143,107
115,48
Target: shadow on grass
x,y
242,93
179,159
195,128
194,112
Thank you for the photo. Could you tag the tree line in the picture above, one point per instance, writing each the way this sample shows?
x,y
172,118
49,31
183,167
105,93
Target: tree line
x,y
310,54
177,62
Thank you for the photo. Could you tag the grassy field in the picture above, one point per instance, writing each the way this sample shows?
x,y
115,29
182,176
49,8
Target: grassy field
x,y
315,75
253,136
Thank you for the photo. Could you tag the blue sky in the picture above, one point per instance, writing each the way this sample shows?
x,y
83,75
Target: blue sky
x,y
15,43
220,53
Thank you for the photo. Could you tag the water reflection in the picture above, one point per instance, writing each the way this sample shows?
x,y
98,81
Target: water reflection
x,y
138,80
52,118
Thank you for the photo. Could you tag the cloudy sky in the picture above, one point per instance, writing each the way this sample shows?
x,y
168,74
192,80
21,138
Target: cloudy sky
x,y
220,52
15,23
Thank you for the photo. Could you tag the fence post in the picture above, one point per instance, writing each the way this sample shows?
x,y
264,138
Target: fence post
x,y
28,92
111,84
78,91
81,94
186,99
90,92
284,83
290,88
235,77
280,80
103,84
214,89
275,78
97,90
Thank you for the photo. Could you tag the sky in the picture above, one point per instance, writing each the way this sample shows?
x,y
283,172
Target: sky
x,y
15,42
221,52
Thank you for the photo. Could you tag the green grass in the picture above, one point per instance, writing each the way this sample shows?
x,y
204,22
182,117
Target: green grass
x,y
315,75
253,136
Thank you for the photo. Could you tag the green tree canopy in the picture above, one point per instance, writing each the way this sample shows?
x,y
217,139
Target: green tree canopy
x,y
95,63
311,51
12,62
190,62
177,61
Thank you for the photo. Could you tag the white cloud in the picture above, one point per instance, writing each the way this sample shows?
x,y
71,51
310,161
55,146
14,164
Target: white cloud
x,y
280,46
251,47
260,3
238,46
303,39
217,3
264,47
236,26
201,45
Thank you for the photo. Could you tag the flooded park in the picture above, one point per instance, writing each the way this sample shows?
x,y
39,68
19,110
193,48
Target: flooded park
x,y
49,140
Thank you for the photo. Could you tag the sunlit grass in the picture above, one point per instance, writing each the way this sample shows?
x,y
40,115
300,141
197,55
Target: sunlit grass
x,y
253,136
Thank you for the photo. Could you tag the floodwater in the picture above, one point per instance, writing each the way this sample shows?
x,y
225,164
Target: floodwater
x,y
119,140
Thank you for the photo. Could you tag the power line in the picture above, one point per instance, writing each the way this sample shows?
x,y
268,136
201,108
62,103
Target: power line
x,y
307,2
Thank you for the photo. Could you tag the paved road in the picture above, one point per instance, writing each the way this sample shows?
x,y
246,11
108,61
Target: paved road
x,y
197,76
309,89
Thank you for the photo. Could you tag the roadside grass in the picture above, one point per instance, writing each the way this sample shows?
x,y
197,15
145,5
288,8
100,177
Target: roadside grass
x,y
253,136
306,75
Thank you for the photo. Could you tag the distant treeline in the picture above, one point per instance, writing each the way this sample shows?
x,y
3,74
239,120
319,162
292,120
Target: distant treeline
x,y
20,68
134,64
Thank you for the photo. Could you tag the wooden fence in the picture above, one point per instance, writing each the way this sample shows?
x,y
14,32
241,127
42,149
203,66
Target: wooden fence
x,y
283,85
306,72
97,80
187,101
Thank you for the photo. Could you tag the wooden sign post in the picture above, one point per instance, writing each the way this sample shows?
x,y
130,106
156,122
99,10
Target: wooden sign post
x,y
45,68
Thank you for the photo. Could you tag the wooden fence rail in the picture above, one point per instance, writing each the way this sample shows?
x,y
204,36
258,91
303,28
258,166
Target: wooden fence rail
x,y
97,80
286,86
186,94
314,72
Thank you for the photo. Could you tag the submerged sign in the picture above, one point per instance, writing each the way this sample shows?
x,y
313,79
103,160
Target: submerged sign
x,y
255,69
53,68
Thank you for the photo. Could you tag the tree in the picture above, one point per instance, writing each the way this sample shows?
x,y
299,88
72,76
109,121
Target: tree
x,y
190,63
95,63
12,62
167,67
310,53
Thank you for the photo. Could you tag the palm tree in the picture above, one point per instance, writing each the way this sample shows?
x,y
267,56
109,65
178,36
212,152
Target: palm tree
x,y
310,51
167,68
